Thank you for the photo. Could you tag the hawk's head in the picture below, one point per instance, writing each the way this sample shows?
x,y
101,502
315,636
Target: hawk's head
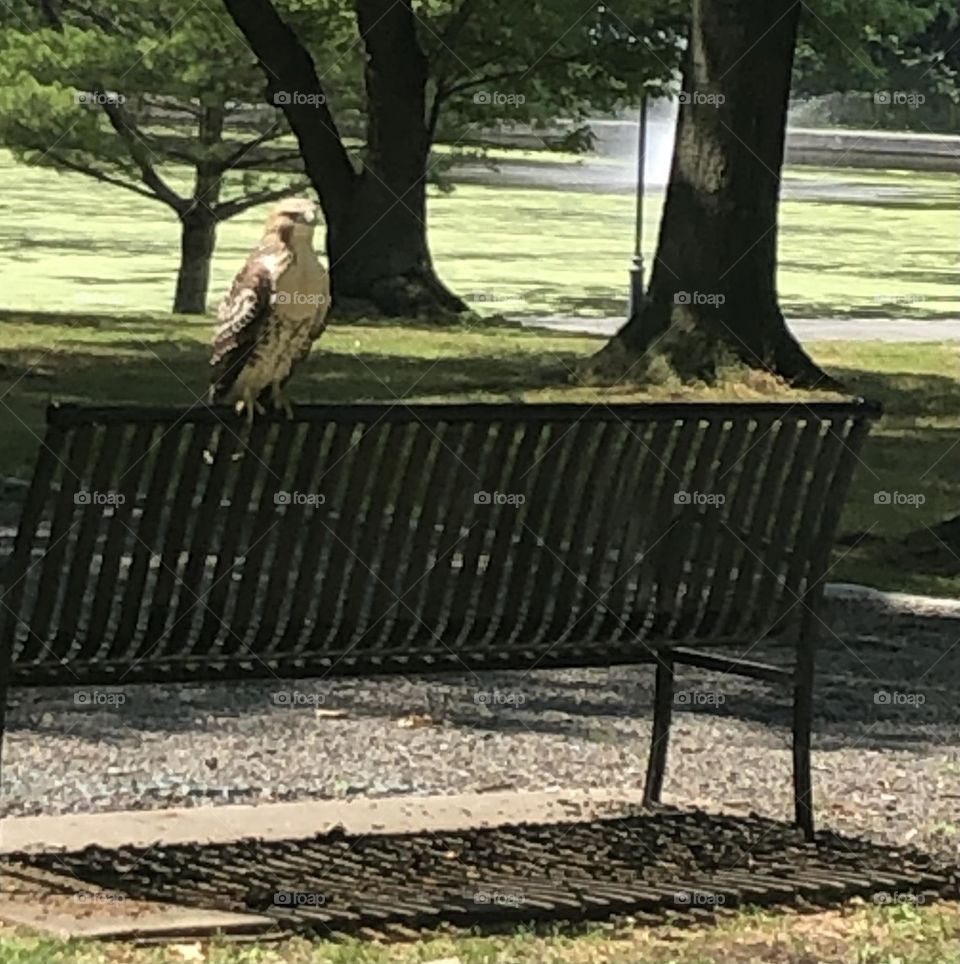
x,y
294,218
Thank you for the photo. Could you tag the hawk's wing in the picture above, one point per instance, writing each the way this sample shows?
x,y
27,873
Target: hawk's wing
x,y
241,318
318,324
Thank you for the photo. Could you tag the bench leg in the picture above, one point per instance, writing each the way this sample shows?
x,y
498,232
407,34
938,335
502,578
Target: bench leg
x,y
802,726
662,713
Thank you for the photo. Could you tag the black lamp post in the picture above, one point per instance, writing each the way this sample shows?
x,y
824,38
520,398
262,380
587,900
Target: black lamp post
x,y
637,270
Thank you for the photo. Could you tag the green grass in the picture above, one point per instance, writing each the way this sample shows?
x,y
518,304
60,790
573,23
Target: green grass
x,y
163,360
853,934
82,246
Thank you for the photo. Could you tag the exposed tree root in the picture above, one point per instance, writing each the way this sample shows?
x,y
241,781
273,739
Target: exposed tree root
x,y
691,355
418,294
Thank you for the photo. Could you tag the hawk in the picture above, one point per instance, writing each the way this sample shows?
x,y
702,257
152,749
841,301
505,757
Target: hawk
x,y
274,312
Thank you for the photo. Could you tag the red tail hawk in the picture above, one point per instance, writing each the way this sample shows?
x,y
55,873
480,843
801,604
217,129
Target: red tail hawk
x,y
274,311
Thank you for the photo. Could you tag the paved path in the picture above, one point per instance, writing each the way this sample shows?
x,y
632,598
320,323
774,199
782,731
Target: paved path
x,y
806,329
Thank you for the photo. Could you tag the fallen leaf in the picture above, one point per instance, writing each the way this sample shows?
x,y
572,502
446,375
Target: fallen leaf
x,y
415,720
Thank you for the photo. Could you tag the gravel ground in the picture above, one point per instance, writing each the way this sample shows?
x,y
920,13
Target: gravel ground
x,y
887,751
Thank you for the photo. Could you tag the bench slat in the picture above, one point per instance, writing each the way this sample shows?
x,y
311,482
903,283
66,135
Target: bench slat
x,y
413,474
773,583
369,572
288,541
595,480
250,611
20,566
661,535
736,438
563,499
135,460
684,543
401,568
310,585
719,611
93,520
493,471
360,478
183,534
768,489
65,520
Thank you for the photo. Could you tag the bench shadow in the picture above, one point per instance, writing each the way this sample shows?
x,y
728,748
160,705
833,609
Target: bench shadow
x,y
665,865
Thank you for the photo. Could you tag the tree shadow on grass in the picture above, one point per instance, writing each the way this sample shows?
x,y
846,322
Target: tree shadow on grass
x,y
908,310
174,372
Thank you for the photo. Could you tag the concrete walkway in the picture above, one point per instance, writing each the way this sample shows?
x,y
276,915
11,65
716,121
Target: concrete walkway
x,y
279,821
805,329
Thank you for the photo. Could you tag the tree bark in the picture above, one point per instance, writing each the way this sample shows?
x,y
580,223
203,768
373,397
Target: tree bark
x,y
198,236
379,257
198,219
712,298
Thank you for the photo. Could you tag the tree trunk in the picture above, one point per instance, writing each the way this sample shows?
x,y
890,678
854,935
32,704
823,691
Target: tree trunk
x,y
712,298
379,258
378,248
198,222
198,235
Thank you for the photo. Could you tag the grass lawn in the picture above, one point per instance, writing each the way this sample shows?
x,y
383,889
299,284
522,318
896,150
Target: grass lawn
x,y
162,360
854,934
864,243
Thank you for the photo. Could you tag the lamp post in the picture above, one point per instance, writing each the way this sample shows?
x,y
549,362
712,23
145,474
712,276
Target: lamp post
x,y
637,268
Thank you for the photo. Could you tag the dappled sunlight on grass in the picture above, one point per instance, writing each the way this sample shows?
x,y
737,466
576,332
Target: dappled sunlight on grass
x,y
853,243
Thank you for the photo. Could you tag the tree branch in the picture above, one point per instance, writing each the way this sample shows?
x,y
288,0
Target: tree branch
x,y
100,175
449,37
508,74
130,134
252,163
440,97
50,14
291,72
106,24
234,160
228,209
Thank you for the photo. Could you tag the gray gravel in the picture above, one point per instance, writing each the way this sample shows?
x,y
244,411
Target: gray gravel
x,y
887,751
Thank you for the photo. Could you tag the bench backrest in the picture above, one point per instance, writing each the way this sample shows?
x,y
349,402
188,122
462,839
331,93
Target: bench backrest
x,y
175,544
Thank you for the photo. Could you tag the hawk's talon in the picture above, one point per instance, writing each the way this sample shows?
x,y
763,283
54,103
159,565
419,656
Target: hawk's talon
x,y
281,402
248,407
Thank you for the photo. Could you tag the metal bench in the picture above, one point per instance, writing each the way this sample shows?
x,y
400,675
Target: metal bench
x,y
169,545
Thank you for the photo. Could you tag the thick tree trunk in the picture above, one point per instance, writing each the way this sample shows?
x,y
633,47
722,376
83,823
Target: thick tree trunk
x,y
198,222
712,297
378,249
376,219
379,256
198,236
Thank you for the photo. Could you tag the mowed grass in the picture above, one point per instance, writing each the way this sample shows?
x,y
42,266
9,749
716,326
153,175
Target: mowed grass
x,y
852,243
853,934
160,360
